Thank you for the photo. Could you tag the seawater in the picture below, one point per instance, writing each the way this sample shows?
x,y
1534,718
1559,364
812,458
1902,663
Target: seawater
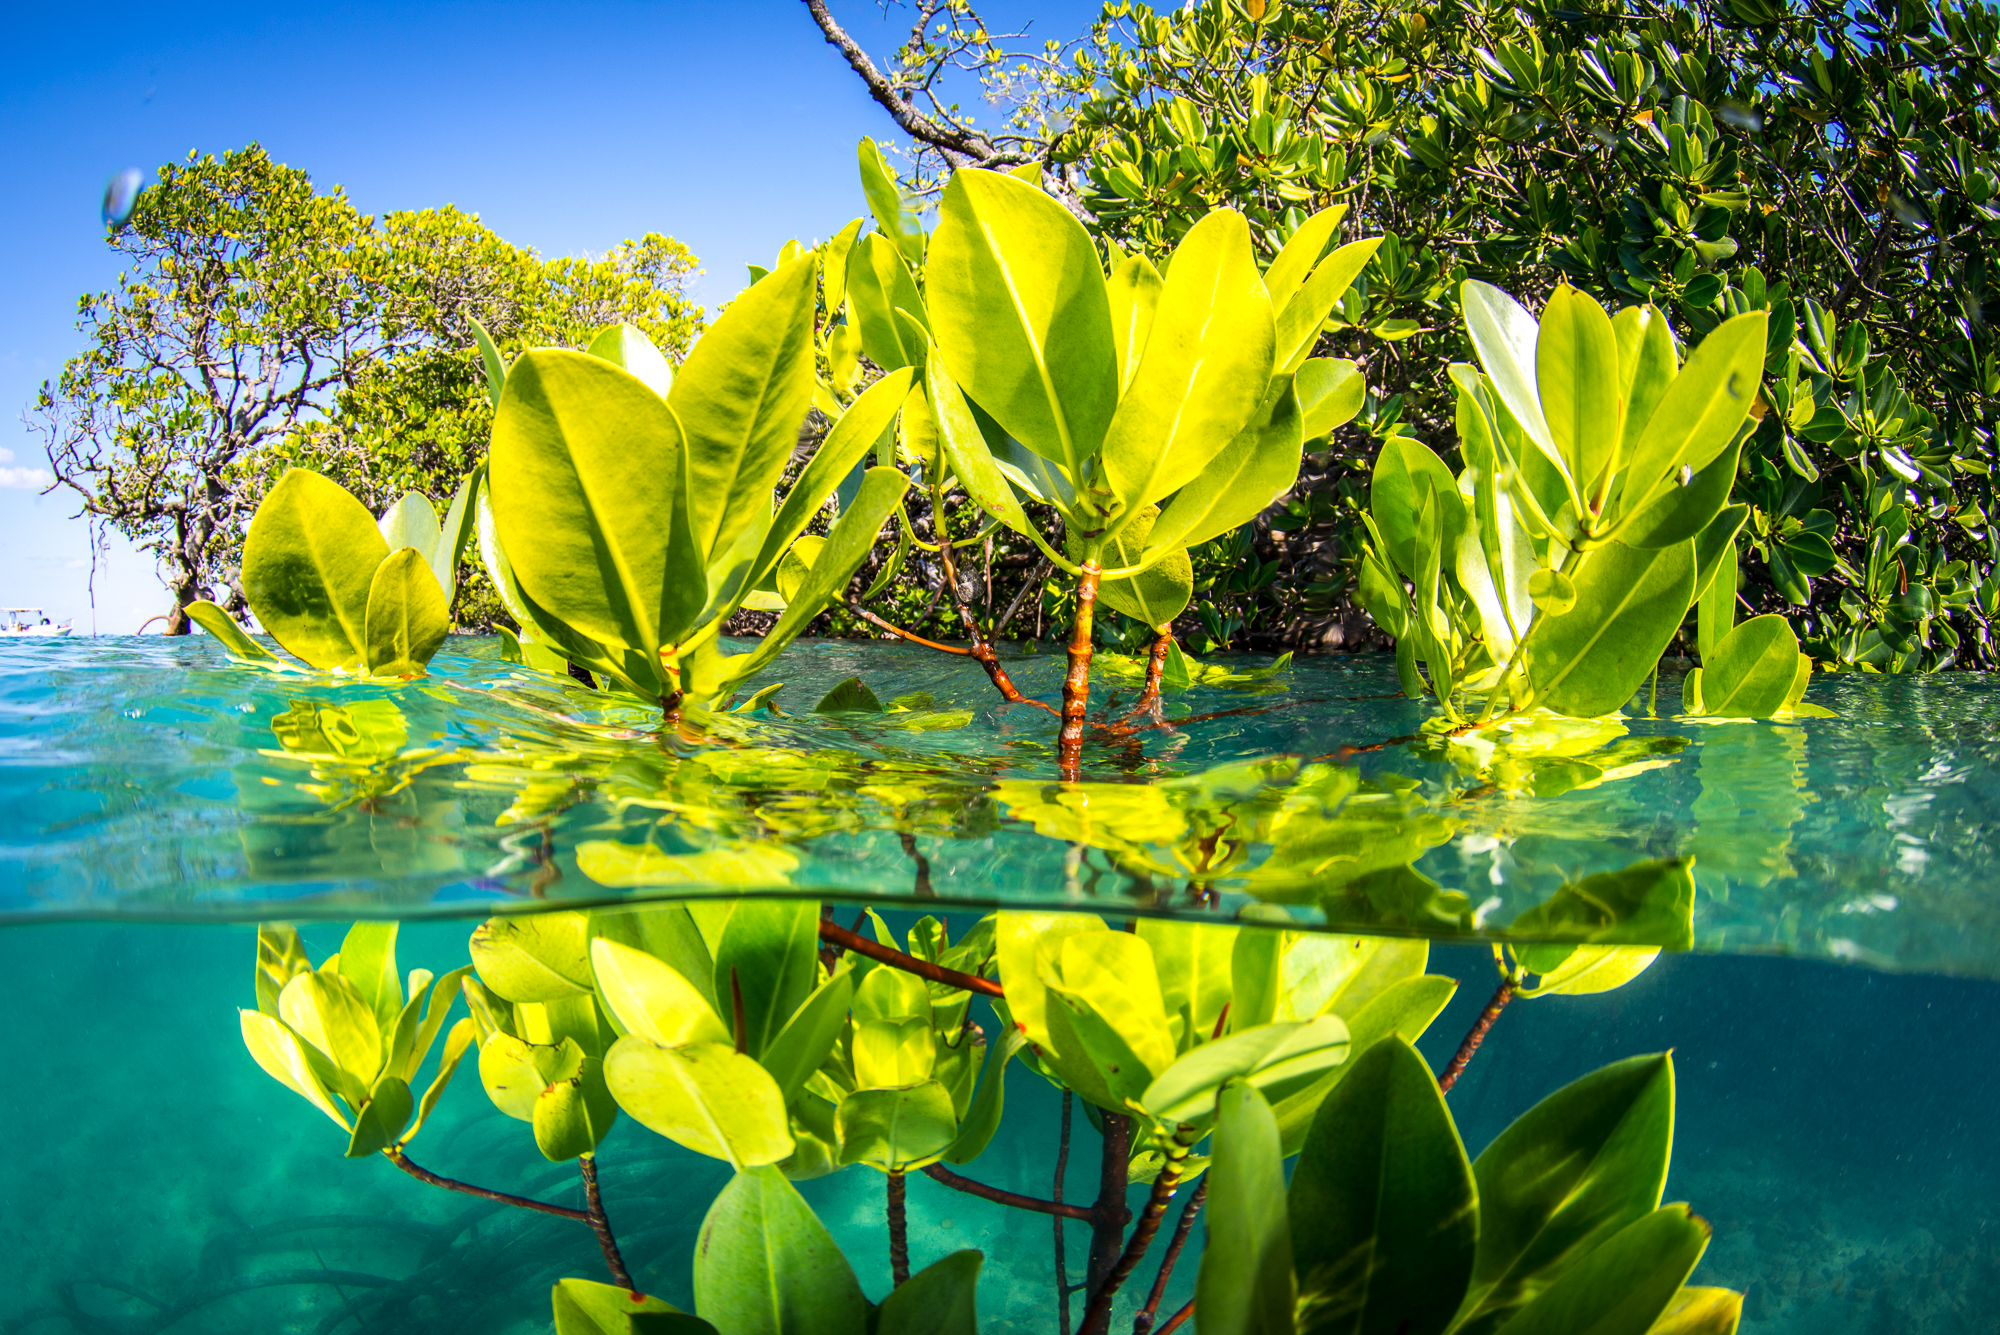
x,y
1835,1086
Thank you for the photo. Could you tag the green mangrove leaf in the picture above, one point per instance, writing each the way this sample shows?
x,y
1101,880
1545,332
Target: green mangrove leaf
x,y
407,616
1700,1311
1715,552
627,347
1157,594
590,507
1577,377
1301,254
651,998
1584,970
1403,1010
896,1129
1505,336
646,865
1207,363
1338,975
1019,310
888,203
1624,1286
740,397
966,450
795,567
515,1071
1751,670
808,1037
940,1299
1698,414
1384,1216
1019,939
1257,961
706,1096
1302,316
666,932
878,285
1270,1056
1109,985
568,1121
281,957
1552,591
1240,482
455,1045
1193,963
586,1308
1589,660
982,1118
367,959
771,947
1331,391
330,1013
1647,364
223,627
765,1265
1569,1173
849,697
411,521
1646,904
414,1037
381,1120
534,956
1685,510
1245,1286
489,360
282,1055
307,561
460,523
891,1054
1133,288
1406,471
835,253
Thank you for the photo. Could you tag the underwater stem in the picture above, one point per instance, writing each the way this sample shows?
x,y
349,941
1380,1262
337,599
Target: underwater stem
x,y
999,1196
1179,1318
1109,1215
1062,1254
881,954
1076,685
601,1226
1097,1318
899,1231
394,1154
922,888
1476,1035
1143,1323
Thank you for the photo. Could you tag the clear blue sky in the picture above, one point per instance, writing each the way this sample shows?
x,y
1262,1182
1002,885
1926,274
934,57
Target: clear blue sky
x,y
565,127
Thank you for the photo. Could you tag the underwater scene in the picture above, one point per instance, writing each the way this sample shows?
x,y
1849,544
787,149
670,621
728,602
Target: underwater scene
x,y
1817,888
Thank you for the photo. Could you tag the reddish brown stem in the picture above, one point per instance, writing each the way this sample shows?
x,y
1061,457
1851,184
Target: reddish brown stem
x,y
957,1182
1156,668
899,1232
601,1226
881,954
1476,1035
1179,1318
898,631
1097,1318
1076,683
1110,1215
1143,1323
395,1155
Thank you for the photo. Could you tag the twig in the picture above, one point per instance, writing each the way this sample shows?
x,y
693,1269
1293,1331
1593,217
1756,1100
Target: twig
x,y
1034,585
881,954
1097,1318
899,1231
981,651
601,1226
1175,1321
1143,1323
394,1154
1062,1256
896,630
951,140
922,889
1110,1214
1000,1196
1476,1035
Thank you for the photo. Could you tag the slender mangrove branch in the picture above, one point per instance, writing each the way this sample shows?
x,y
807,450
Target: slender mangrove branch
x,y
1156,668
1097,1317
1000,1196
1062,1254
1178,1319
899,1230
1110,1215
889,955
981,650
922,864
394,1154
1476,1035
1076,684
1143,1323
601,1226
898,631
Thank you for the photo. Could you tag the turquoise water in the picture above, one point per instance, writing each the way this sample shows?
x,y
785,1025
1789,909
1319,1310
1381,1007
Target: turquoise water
x,y
1835,1086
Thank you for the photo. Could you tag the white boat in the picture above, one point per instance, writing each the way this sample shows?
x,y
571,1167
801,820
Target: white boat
x,y
30,621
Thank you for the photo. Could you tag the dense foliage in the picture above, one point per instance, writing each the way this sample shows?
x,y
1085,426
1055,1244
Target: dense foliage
x,y
1830,164
260,323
